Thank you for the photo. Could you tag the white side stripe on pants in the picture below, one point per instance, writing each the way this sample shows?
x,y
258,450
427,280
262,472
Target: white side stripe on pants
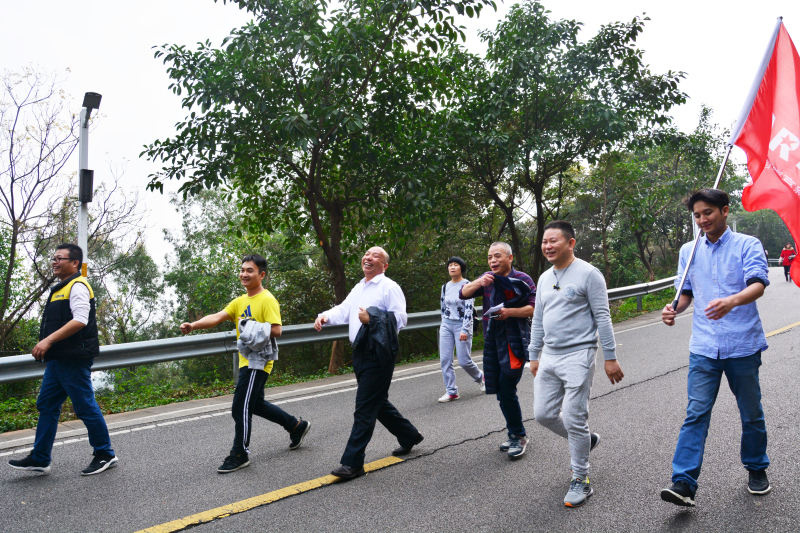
x,y
246,413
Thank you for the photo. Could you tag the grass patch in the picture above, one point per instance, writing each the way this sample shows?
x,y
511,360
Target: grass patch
x,y
622,310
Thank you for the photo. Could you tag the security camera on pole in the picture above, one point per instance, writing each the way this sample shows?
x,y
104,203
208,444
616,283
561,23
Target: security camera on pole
x,y
85,176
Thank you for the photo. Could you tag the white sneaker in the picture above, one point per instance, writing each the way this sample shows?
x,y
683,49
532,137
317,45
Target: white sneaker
x,y
448,398
482,383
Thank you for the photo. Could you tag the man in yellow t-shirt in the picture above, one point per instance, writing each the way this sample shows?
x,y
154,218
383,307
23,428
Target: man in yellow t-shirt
x,y
248,398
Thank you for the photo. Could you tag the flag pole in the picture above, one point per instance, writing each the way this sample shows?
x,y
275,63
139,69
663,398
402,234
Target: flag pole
x,y
699,234
737,129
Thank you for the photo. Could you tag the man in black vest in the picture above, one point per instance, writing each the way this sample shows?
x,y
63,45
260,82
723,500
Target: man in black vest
x,y
68,344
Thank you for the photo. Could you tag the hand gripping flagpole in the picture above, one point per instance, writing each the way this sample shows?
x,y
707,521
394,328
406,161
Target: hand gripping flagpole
x,y
748,104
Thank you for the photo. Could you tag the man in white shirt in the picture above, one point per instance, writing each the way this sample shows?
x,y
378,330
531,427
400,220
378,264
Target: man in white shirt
x,y
372,396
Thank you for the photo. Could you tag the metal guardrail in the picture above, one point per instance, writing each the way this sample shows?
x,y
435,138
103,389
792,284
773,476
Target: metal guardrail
x,y
641,289
24,367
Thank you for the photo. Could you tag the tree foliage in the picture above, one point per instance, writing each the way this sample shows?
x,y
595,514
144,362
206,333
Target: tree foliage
x,y
541,101
316,118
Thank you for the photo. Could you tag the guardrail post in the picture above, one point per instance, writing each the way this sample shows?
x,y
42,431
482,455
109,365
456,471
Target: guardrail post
x,y
235,366
639,300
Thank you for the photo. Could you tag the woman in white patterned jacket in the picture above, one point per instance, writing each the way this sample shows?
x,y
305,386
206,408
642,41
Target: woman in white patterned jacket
x,y
456,331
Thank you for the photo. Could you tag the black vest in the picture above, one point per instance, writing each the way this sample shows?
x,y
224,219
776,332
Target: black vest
x,y
57,313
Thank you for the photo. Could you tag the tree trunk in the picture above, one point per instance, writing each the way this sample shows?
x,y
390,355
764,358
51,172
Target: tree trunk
x,y
331,244
606,262
604,236
338,279
337,357
643,255
541,221
508,213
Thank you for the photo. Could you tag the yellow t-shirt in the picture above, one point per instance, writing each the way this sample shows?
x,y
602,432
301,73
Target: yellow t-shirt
x,y
263,307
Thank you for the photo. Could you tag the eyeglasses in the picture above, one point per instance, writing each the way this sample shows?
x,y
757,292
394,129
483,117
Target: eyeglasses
x,y
57,259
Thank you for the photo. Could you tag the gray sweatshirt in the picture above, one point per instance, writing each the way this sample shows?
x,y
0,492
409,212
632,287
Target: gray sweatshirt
x,y
569,319
256,343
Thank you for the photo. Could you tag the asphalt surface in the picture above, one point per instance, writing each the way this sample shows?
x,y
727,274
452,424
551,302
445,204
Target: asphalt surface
x,y
456,480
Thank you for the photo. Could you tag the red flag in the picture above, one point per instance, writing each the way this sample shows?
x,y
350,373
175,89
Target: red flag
x,y
770,136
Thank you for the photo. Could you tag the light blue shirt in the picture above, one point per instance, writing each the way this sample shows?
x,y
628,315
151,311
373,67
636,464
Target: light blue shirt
x,y
722,269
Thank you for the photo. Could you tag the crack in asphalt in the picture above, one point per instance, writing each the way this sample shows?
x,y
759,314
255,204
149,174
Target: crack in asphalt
x,y
532,419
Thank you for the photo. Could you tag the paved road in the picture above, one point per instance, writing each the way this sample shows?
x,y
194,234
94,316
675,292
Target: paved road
x,y
457,480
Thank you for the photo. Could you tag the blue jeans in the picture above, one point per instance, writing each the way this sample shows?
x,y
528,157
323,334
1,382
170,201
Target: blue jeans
x,y
73,379
509,404
705,375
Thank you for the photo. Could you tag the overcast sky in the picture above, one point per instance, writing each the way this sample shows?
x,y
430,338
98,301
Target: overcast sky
x,y
107,47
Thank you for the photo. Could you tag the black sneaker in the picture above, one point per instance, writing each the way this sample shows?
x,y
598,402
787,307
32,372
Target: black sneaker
x,y
100,463
233,463
758,482
30,464
595,441
298,434
680,494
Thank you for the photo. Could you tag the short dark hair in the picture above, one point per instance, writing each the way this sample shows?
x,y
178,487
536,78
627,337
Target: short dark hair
x,y
715,197
562,225
259,261
460,262
74,252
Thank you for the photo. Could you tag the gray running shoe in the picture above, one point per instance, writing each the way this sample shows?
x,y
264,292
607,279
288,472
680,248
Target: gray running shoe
x,y
579,491
504,446
517,445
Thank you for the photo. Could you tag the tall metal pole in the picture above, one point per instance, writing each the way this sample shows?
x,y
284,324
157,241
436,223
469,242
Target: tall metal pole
x,y
83,211
699,234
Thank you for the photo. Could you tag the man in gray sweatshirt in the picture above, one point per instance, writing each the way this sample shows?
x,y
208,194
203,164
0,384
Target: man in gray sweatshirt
x,y
571,309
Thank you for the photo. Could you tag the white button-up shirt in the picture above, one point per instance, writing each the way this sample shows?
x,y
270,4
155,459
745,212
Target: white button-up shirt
x,y
380,292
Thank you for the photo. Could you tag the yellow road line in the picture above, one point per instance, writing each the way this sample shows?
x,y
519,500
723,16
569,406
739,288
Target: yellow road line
x,y
258,501
787,328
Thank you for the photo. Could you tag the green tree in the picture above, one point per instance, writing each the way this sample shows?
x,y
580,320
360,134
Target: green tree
x,y
544,101
317,119
130,297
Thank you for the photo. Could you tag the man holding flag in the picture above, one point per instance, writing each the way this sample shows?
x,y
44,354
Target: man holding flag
x,y
728,275
729,272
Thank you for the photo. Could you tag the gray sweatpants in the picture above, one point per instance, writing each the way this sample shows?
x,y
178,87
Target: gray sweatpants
x,y
449,333
561,401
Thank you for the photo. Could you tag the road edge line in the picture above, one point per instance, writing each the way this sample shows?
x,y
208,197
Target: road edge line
x,y
259,501
783,329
